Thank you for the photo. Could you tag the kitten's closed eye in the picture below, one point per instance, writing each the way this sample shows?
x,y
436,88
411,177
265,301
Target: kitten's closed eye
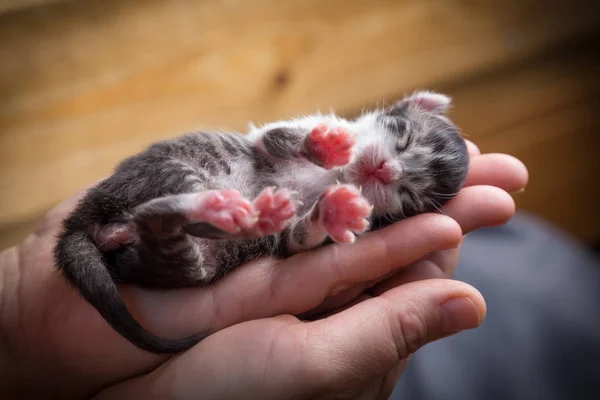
x,y
399,128
410,201
394,124
402,144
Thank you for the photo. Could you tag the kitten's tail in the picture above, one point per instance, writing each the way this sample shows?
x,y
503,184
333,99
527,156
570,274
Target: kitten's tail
x,y
83,265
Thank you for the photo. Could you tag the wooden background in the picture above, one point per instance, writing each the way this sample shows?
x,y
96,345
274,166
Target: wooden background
x,y
84,83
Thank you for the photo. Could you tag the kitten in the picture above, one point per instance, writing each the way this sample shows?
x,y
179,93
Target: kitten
x,y
189,210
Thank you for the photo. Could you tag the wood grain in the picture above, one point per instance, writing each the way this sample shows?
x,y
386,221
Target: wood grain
x,y
84,84
16,5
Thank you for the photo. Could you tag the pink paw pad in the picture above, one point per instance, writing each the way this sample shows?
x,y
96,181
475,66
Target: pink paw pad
x,y
330,146
275,210
343,211
225,209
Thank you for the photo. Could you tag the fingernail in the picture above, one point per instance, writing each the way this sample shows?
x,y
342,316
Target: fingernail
x,y
519,191
459,314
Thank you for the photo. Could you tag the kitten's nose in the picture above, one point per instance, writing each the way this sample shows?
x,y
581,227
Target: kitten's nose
x,y
389,171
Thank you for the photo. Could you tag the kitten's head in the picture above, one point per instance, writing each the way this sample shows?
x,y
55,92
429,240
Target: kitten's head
x,y
411,158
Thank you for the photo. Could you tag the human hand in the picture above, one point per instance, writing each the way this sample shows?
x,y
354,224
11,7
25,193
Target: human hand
x,y
56,344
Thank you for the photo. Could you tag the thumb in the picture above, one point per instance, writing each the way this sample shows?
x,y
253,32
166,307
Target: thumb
x,y
366,341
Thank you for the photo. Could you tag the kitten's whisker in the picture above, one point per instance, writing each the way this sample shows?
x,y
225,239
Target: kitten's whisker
x,y
439,207
449,195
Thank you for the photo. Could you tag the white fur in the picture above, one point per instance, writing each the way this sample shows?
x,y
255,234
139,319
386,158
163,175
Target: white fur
x,y
374,143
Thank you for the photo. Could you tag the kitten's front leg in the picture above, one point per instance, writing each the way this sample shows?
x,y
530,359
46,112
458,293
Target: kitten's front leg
x,y
340,213
329,147
325,146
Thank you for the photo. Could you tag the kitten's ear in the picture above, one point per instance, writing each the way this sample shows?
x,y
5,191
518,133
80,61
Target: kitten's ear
x,y
436,103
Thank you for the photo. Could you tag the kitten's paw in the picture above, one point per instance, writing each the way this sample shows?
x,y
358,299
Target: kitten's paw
x,y
330,147
224,209
275,210
343,211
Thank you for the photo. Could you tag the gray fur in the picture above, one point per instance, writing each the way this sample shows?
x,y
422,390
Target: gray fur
x,y
283,142
163,248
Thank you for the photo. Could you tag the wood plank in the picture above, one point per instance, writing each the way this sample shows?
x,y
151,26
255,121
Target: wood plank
x,y
80,92
564,168
494,103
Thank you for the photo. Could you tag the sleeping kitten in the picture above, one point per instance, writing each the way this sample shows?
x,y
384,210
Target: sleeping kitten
x,y
189,210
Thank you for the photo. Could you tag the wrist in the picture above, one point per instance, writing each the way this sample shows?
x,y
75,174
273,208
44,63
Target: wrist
x,y
9,363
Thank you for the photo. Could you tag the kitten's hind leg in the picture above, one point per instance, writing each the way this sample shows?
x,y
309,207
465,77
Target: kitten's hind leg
x,y
275,211
325,146
340,213
217,214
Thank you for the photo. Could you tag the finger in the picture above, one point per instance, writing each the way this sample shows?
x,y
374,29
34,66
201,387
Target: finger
x,y
446,262
477,207
267,287
338,303
474,208
369,339
472,148
440,265
500,170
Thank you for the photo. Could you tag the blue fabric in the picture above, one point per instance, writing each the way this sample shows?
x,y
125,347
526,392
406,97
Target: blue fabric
x,y
541,337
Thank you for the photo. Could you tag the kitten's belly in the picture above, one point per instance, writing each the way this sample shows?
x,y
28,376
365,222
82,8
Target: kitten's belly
x,y
309,180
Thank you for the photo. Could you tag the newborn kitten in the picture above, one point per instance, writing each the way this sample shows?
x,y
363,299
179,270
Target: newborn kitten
x,y
189,210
